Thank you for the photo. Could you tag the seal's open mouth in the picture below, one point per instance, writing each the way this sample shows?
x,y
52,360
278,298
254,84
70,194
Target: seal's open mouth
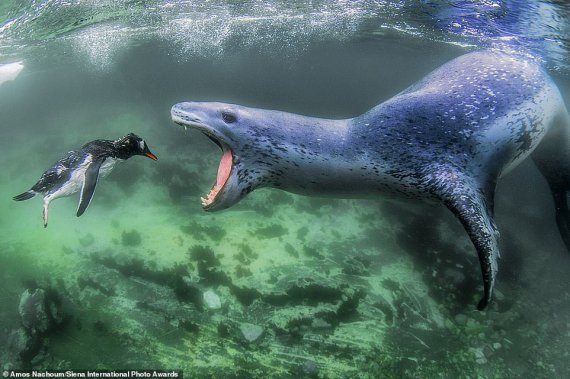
x,y
226,163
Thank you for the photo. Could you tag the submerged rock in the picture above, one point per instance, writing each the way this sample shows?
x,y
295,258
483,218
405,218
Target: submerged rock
x,y
251,332
21,347
132,238
270,231
33,312
310,369
480,357
87,240
319,323
241,332
461,319
42,310
212,300
178,277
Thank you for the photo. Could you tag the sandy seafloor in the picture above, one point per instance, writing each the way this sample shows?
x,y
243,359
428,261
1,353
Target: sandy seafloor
x,y
308,287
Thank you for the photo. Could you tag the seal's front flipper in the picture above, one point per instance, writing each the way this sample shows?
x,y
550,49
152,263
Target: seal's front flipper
x,y
476,220
471,203
89,184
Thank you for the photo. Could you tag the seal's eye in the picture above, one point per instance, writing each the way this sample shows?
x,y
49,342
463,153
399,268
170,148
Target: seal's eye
x,y
229,118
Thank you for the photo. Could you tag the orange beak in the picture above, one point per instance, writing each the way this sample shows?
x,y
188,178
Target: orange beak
x,y
151,156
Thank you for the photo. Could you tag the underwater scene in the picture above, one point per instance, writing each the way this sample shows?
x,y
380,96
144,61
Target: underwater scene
x,y
164,271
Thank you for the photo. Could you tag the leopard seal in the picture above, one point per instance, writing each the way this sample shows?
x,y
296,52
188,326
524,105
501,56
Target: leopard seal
x,y
448,138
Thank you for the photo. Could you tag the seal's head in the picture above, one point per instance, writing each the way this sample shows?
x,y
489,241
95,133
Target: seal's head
x,y
236,130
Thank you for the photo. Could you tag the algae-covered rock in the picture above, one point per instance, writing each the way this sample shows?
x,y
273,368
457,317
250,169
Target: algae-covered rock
x,y
178,277
33,312
212,300
251,332
20,347
270,231
200,232
461,319
243,333
87,240
309,369
132,238
43,309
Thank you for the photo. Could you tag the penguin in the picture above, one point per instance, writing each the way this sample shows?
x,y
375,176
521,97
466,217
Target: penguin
x,y
80,170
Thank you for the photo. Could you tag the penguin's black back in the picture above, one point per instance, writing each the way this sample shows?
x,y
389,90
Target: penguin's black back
x,y
123,148
60,172
100,148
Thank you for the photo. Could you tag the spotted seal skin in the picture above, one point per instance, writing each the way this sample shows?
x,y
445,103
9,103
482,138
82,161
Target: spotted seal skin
x,y
447,138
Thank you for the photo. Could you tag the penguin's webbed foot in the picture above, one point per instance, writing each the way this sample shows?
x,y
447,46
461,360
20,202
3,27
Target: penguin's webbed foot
x,y
45,214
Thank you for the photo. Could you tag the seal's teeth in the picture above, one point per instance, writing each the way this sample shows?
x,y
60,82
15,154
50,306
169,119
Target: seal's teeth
x,y
211,196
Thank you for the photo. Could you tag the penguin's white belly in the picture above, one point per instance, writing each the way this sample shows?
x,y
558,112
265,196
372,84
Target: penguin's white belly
x,y
107,166
75,182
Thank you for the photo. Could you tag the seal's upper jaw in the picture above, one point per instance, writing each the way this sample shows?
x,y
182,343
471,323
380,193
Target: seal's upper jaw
x,y
201,117
188,117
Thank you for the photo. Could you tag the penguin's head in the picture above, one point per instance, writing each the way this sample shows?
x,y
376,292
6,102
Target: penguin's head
x,y
131,145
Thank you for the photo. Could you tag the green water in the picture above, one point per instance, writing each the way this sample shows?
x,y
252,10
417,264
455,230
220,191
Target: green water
x,y
337,288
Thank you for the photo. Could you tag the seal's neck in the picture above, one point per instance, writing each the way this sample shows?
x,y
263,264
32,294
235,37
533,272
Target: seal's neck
x,y
307,155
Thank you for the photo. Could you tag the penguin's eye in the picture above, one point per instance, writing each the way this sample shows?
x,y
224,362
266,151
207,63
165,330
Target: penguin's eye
x,y
229,118
141,144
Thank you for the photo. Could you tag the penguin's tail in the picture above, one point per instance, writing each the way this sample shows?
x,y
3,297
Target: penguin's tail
x,y
25,196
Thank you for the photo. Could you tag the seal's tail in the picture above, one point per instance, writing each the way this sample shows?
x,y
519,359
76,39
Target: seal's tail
x,y
25,196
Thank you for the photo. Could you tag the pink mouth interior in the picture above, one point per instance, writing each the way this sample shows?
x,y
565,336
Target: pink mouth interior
x,y
224,171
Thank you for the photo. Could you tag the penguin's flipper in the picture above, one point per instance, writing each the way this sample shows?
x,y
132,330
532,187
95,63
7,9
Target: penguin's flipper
x,y
25,196
89,184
